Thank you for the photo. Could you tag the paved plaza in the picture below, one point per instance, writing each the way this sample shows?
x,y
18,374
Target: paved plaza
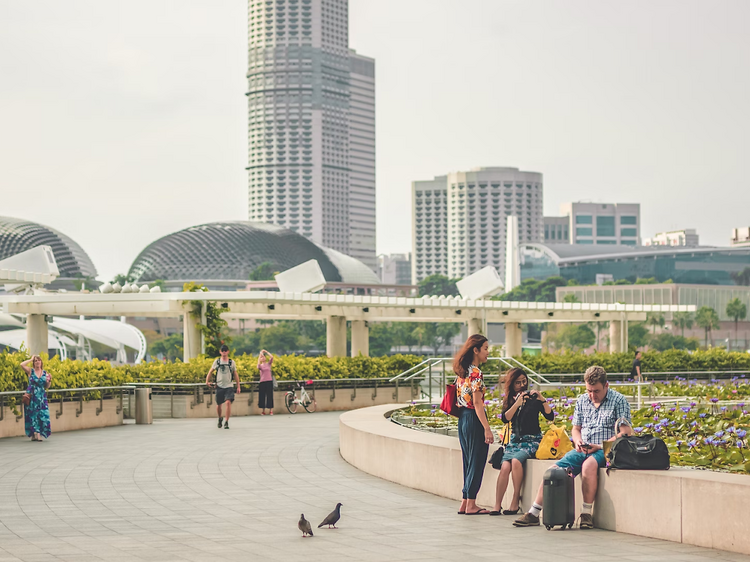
x,y
185,490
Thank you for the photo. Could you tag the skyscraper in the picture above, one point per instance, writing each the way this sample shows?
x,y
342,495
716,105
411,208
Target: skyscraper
x,y
311,125
459,223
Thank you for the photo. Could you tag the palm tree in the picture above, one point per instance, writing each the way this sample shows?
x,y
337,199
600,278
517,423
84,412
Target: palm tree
x,y
682,320
653,319
707,319
736,309
741,277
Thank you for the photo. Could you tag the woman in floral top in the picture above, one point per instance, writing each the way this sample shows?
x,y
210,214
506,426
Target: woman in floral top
x,y
474,431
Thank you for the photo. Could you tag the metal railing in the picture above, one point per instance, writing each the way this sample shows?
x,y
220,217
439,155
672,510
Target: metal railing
x,y
52,396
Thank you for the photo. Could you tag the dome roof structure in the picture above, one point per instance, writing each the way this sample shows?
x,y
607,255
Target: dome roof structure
x,y
231,250
18,235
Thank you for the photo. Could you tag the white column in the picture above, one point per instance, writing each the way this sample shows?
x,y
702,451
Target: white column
x,y
513,339
360,338
512,259
37,334
336,336
475,326
615,337
192,337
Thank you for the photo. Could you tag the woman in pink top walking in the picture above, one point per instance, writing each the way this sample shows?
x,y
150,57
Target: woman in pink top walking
x,y
265,389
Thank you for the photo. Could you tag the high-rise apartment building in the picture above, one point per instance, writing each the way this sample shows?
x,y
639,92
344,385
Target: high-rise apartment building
x,y
459,223
394,269
311,125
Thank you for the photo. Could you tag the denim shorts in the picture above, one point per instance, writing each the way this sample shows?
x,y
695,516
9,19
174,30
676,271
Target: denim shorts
x,y
574,460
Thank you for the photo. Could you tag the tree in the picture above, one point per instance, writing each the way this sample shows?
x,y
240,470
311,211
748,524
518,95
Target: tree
x,y
682,320
214,330
665,341
741,277
574,336
280,339
382,338
436,285
653,319
637,335
707,319
438,334
533,290
737,310
122,279
170,347
570,297
405,334
264,272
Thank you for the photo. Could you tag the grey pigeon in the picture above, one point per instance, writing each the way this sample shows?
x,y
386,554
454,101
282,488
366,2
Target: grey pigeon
x,y
332,518
304,526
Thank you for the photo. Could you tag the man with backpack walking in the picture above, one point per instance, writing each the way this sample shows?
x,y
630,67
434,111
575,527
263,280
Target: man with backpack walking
x,y
226,370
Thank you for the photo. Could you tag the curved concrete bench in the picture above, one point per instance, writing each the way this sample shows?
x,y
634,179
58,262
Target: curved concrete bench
x,y
701,508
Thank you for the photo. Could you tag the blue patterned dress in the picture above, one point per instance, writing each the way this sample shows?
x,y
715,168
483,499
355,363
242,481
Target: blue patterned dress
x,y
36,414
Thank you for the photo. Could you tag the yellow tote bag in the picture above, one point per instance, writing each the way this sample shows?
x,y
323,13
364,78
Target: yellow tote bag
x,y
555,444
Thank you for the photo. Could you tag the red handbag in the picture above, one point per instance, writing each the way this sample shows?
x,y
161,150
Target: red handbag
x,y
449,404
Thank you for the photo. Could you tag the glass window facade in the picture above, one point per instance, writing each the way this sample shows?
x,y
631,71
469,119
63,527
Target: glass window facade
x,y
628,220
584,219
605,226
584,231
628,232
606,241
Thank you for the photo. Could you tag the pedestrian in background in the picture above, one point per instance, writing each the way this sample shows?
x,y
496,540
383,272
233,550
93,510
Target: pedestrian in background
x,y
474,433
635,371
36,413
265,388
225,370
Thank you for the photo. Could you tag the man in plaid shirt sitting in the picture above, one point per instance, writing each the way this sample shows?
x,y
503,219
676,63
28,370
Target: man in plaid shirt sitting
x,y
594,422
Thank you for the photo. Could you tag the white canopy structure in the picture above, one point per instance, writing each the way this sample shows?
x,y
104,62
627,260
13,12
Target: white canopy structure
x,y
17,338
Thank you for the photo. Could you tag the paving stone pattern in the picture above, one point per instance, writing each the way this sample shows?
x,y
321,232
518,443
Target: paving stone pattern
x,y
185,490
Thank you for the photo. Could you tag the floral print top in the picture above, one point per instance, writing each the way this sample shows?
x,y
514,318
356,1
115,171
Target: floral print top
x,y
466,387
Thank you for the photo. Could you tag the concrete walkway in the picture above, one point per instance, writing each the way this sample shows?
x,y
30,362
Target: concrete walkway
x,y
185,490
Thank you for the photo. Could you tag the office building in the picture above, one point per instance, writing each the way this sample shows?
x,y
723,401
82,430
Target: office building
x,y
603,223
394,269
459,223
687,238
311,125
557,230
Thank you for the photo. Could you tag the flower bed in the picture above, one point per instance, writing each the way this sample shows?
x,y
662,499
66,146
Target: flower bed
x,y
707,429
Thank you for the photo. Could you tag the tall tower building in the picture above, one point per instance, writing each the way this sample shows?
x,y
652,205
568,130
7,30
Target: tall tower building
x,y
460,220
311,125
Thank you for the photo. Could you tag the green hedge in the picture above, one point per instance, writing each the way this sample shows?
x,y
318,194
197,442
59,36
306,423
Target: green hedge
x,y
652,361
79,374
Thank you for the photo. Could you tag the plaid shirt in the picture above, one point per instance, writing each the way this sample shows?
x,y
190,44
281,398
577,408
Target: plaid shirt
x,y
598,424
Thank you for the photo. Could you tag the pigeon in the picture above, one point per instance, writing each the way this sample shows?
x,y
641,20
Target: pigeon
x,y
304,526
332,518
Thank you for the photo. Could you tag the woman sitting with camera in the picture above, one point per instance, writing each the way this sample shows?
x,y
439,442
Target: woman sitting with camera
x,y
521,408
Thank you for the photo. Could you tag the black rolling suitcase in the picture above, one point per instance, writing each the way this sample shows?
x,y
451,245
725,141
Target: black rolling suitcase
x,y
559,498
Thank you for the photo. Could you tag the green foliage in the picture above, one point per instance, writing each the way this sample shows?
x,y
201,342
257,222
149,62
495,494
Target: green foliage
x,y
170,347
655,319
707,319
570,297
79,374
122,279
573,336
532,290
665,341
683,320
212,330
264,272
436,285
647,281
638,335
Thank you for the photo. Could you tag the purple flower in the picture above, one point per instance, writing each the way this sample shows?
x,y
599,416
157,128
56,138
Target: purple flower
x,y
648,425
741,433
679,442
638,429
703,415
714,400
656,405
672,409
730,429
499,416
719,433
740,444
685,409
723,408
741,404
684,416
693,424
693,404
570,418
709,441
692,444
658,429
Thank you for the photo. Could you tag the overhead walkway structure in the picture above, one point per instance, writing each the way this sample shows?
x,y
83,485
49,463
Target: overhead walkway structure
x,y
336,310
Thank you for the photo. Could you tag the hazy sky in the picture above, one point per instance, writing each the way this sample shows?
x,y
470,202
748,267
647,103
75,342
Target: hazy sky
x,y
121,122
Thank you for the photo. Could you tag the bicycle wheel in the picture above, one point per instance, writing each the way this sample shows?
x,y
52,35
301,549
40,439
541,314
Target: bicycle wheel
x,y
309,404
291,405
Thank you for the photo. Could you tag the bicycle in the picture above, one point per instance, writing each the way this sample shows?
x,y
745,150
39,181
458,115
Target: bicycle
x,y
292,402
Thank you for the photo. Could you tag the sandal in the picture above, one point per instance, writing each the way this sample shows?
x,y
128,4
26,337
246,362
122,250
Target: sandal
x,y
461,512
480,512
499,512
511,512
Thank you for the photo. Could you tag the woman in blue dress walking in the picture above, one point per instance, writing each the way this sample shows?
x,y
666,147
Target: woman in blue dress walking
x,y
36,414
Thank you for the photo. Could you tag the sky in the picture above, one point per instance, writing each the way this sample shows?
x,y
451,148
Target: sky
x,y
121,122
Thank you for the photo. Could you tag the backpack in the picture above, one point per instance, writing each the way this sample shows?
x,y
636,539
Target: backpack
x,y
638,452
229,365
